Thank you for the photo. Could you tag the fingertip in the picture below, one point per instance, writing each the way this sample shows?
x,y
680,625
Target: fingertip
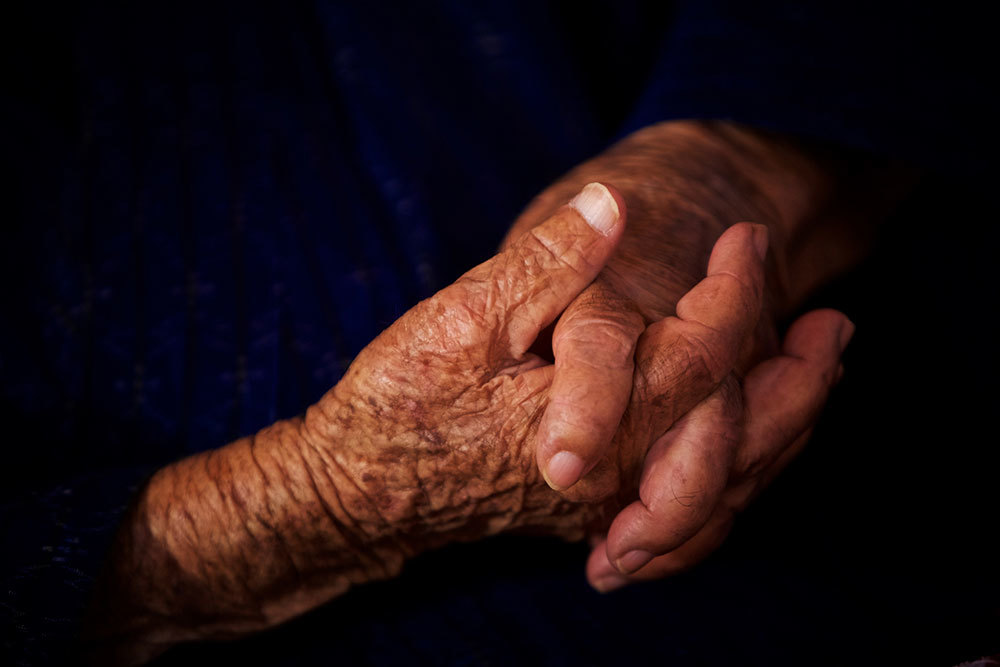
x,y
601,574
741,236
599,207
819,334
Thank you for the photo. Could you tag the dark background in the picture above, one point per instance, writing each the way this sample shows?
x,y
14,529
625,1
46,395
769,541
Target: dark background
x,y
211,208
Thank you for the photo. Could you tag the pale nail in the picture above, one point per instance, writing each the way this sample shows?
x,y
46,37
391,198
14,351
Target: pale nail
x,y
565,469
633,560
597,206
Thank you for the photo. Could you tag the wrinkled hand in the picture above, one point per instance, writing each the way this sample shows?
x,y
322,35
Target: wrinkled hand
x,y
428,438
688,498
436,420
709,465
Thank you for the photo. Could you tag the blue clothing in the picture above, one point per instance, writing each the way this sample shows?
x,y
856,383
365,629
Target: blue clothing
x,y
216,207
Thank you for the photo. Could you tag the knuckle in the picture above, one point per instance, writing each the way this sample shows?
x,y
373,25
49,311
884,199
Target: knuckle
x,y
685,486
673,494
745,287
600,328
740,301
661,374
539,253
597,342
472,293
702,356
456,318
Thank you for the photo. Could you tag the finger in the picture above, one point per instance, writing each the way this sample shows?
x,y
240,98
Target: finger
x,y
604,577
684,476
521,290
783,398
681,359
594,348
785,395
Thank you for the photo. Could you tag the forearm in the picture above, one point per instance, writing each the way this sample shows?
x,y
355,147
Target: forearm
x,y
228,542
233,541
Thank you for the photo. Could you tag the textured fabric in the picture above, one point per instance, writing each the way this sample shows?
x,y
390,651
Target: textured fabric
x,y
216,206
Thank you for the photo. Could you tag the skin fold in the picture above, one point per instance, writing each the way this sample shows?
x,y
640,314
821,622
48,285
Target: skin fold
x,y
440,429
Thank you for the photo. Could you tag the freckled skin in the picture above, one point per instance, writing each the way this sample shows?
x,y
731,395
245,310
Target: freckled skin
x,y
459,443
426,440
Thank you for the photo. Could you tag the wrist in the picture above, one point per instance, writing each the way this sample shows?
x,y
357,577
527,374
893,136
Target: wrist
x,y
230,542
403,498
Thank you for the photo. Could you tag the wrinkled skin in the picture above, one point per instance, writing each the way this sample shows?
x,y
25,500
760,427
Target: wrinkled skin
x,y
438,416
685,182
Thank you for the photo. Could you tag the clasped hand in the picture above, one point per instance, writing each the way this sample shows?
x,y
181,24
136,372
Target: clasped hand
x,y
641,435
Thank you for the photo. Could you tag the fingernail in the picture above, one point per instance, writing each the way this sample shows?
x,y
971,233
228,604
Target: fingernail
x,y
610,582
565,469
846,333
597,206
761,239
633,560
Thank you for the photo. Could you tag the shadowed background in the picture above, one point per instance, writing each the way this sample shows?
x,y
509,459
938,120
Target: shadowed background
x,y
212,209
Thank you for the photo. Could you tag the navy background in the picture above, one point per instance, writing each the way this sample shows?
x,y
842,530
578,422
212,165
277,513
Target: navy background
x,y
212,208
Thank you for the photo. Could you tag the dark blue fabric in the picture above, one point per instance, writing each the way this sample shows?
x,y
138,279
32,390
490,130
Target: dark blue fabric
x,y
909,81
214,207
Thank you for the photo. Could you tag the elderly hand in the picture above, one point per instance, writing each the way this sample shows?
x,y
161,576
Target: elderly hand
x,y
439,416
436,419
429,438
688,498
685,183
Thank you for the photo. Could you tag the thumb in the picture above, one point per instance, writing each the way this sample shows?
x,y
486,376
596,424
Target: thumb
x,y
526,286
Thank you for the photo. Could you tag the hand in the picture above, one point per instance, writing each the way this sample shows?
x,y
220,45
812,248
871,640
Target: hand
x,y
663,172
429,438
434,422
685,183
437,418
687,502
